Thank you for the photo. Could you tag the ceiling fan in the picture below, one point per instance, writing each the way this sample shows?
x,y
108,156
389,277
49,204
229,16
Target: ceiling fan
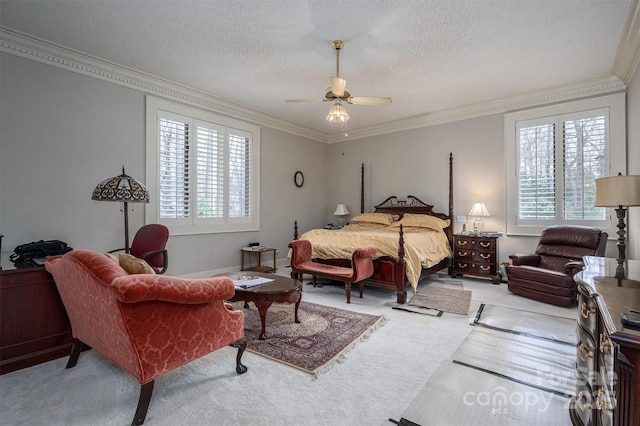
x,y
337,93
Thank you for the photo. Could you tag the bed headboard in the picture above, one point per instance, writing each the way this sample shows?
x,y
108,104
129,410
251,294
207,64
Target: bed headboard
x,y
410,205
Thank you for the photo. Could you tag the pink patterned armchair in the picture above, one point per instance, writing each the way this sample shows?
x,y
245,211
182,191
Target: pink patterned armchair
x,y
147,324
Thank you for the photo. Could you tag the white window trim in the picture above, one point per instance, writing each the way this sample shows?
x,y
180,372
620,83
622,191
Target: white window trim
x,y
153,105
617,149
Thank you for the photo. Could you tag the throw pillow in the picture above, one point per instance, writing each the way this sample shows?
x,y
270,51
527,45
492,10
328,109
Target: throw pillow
x,y
133,265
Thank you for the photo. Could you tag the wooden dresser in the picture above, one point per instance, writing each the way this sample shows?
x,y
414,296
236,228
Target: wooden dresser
x,y
608,352
34,324
475,255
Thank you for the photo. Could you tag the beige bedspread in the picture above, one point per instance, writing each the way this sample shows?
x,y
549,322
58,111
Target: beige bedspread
x,y
422,247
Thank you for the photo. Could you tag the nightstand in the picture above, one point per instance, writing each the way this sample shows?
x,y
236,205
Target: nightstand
x,y
258,253
475,255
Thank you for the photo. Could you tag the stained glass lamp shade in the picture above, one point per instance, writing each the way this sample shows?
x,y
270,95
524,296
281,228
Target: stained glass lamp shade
x,y
123,189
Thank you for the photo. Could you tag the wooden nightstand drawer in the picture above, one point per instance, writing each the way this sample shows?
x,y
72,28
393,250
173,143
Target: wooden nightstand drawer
x,y
473,268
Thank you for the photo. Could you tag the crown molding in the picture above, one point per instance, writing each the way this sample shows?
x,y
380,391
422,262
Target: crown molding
x,y
577,90
26,46
628,53
43,51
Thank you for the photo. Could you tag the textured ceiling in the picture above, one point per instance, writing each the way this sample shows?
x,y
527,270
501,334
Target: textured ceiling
x,y
427,55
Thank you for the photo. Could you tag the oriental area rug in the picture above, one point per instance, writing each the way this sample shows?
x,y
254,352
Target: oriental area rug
x,y
322,337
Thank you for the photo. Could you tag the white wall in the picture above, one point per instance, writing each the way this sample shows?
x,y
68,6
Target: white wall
x,y
633,151
63,132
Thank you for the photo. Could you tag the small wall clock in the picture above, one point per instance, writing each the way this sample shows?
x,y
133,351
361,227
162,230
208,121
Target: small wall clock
x,y
298,179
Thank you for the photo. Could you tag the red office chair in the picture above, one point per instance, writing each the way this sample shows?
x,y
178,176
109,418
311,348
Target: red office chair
x,y
149,245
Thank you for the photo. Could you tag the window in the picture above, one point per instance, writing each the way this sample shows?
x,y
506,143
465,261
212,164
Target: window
x,y
203,168
554,155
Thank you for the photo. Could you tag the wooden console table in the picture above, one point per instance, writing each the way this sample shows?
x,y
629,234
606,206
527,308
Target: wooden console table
x,y
35,327
608,351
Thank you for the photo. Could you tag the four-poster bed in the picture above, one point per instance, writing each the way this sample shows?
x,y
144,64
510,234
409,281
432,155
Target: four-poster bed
x,y
413,241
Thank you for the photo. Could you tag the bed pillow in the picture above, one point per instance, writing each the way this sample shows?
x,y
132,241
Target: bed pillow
x,y
383,218
422,221
363,226
134,265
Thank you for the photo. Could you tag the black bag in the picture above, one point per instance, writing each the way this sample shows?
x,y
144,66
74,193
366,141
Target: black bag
x,y
25,255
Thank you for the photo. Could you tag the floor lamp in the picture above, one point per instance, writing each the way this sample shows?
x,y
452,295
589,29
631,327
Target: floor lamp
x,y
124,189
619,192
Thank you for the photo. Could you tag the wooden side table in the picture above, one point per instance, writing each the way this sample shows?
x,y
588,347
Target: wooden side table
x,y
258,254
475,255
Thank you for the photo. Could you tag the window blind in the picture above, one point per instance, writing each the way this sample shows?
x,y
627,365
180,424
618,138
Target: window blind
x,y
210,173
585,159
537,175
239,176
173,165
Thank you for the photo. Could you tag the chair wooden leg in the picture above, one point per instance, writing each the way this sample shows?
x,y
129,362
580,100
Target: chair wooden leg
x,y
241,344
75,353
347,287
361,286
146,391
314,279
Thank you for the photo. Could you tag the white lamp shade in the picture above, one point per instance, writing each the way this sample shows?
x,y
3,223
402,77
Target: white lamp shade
x,y
614,191
478,209
341,210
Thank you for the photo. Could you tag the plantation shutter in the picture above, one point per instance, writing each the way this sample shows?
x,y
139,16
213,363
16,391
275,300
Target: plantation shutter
x,y
173,165
584,160
210,171
239,174
537,177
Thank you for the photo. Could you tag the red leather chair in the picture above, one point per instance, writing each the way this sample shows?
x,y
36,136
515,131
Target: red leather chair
x,y
149,244
547,275
361,266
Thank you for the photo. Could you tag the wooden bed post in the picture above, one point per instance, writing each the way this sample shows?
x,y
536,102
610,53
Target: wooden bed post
x,y
362,189
295,230
451,217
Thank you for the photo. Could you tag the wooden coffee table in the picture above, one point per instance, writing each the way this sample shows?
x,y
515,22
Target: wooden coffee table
x,y
280,290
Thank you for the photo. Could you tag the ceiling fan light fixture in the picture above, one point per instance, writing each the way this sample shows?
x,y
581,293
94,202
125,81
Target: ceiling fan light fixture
x,y
337,113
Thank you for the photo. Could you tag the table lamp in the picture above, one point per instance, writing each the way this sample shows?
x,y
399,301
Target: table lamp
x,y
478,210
619,192
341,212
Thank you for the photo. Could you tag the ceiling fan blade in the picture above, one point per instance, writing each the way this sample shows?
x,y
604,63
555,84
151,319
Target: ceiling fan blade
x,y
368,100
304,100
337,86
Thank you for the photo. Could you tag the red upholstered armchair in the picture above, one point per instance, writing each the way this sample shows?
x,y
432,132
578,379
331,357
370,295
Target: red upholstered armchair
x,y
548,274
146,324
361,266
